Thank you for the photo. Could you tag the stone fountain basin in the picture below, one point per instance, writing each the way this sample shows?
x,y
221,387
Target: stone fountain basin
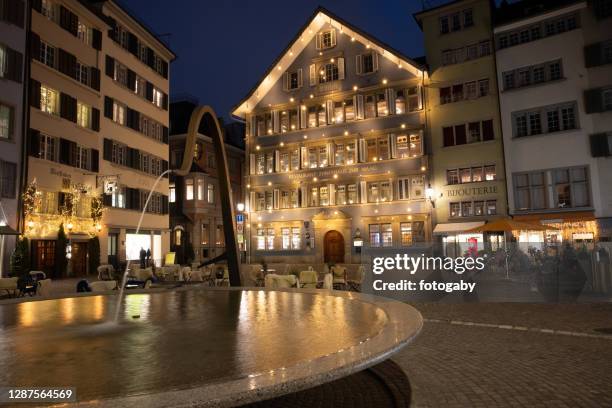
x,y
198,346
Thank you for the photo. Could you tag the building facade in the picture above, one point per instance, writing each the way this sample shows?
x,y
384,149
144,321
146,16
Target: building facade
x,y
337,153
13,28
98,133
195,205
462,115
553,94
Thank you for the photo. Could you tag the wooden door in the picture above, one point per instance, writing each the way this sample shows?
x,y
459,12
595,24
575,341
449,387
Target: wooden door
x,y
44,257
79,259
333,247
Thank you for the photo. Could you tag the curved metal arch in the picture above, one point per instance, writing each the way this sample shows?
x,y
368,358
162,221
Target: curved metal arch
x,y
207,114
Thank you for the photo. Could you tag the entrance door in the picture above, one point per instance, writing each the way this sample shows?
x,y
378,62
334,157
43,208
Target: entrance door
x,y
79,259
333,247
44,257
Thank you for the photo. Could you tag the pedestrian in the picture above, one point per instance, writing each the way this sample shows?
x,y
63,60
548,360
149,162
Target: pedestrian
x,y
148,257
143,256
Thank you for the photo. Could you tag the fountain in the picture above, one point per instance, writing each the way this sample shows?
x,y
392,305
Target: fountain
x,y
196,346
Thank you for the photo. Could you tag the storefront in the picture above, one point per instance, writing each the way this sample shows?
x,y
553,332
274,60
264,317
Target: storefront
x,y
573,227
454,239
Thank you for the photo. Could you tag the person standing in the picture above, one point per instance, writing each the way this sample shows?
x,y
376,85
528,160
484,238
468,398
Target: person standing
x,y
143,256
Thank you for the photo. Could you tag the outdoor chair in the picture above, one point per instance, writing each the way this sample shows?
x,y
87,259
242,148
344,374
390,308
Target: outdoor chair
x,y
274,281
339,277
106,272
257,276
308,279
222,278
9,286
196,275
355,281
44,287
103,286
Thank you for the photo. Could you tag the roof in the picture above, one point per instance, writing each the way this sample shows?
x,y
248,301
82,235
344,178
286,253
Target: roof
x,y
509,12
119,4
304,35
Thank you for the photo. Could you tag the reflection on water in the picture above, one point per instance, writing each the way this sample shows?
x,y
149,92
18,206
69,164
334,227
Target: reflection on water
x,y
174,339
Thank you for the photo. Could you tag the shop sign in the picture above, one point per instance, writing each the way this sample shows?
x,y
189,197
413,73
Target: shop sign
x,y
471,191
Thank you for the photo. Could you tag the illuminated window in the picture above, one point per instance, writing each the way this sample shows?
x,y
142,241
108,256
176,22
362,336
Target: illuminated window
x,y
172,193
200,189
189,189
296,238
83,115
374,235
211,194
286,238
49,100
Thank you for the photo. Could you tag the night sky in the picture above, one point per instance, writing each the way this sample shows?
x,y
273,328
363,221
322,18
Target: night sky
x,y
224,47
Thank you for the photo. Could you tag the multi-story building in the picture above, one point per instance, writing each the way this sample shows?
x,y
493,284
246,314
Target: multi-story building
x,y
13,28
96,138
195,204
336,148
462,111
553,94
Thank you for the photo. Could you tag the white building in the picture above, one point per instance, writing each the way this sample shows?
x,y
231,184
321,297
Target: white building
x,y
552,174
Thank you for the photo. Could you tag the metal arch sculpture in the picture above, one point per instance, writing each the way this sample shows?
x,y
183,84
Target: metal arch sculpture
x,y
207,114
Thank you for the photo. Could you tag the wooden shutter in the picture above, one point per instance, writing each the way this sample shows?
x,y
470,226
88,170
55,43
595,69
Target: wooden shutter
x,y
110,67
276,121
341,68
150,58
66,63
333,37
164,101
133,44
95,160
359,64
390,98
149,92
313,74
34,46
131,80
34,143
303,114
318,41
592,55
393,145
37,5
64,151
276,198
286,81
94,78
329,111
96,39
14,65
359,106
69,21
390,189
593,101
277,161
164,72
363,192
375,61
252,201
68,107
362,152
165,134
303,196
34,93
420,96
12,11
95,119
331,191
300,77
304,157
331,159
108,107
107,153
599,145
252,163
164,204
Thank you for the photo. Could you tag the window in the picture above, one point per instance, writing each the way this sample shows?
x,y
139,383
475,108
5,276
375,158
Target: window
x,y
367,63
478,131
400,102
327,40
483,87
82,73
84,33
158,97
328,72
338,112
189,189
8,179
6,122
370,106
49,100
340,194
284,200
381,105
349,110
444,26
296,238
47,54
211,193
119,113
607,99
293,80
557,118
83,115
374,235
286,238
550,27
387,235
406,233
200,184
172,193
352,193
204,234
47,9
472,208
270,239
324,195
322,115
261,239
534,74
220,237
468,18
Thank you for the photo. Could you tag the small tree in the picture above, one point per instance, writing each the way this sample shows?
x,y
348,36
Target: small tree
x,y
93,254
20,258
61,263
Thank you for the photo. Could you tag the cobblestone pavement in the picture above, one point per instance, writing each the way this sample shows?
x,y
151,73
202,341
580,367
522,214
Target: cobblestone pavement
x,y
452,365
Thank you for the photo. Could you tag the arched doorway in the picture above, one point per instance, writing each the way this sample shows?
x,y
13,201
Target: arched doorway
x,y
333,247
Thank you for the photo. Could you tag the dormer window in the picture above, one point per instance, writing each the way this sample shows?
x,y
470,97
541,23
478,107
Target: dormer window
x,y
328,72
326,39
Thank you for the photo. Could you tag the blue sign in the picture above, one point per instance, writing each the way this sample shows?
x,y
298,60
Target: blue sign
x,y
240,217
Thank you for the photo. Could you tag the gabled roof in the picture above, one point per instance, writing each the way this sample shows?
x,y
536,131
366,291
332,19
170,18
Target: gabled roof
x,y
318,20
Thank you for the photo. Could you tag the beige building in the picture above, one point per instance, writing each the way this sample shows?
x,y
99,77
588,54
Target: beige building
x,y
337,156
96,137
462,114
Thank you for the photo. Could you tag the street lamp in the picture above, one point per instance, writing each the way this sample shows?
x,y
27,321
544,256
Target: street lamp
x,y
430,195
240,207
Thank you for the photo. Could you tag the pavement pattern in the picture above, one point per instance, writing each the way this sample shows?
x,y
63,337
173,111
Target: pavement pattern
x,y
459,365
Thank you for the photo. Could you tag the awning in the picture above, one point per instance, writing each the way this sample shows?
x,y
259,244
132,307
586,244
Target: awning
x,y
455,227
6,230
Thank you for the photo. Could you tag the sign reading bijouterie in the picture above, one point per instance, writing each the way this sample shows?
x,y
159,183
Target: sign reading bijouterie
x,y
471,191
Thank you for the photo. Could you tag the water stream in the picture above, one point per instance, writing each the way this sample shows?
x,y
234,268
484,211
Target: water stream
x,y
127,265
